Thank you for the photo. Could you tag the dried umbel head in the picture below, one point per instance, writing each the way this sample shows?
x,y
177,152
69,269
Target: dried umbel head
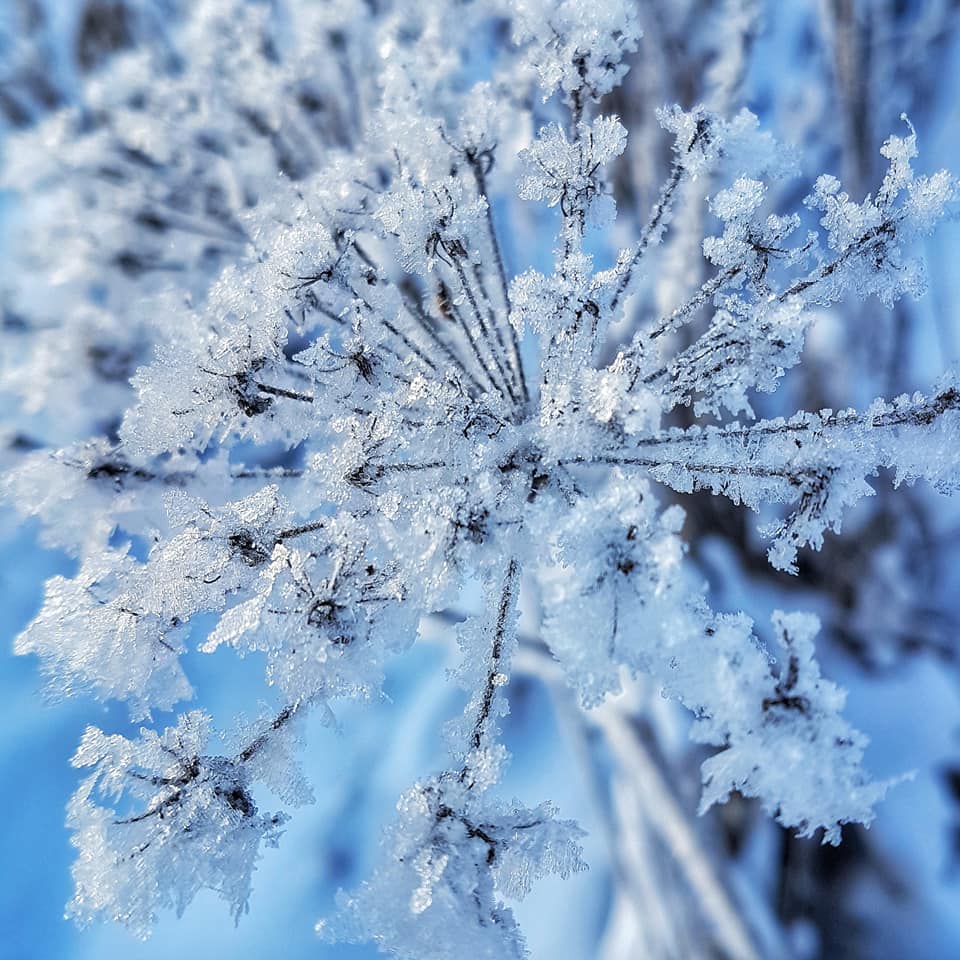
x,y
356,406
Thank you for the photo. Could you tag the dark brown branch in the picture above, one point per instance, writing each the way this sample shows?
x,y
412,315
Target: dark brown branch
x,y
508,600
278,722
281,392
922,415
658,214
485,331
481,180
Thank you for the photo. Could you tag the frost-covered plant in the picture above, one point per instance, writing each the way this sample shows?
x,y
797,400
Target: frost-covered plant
x,y
352,413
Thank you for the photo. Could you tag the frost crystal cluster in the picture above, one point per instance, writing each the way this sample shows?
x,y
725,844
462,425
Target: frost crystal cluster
x,y
280,372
